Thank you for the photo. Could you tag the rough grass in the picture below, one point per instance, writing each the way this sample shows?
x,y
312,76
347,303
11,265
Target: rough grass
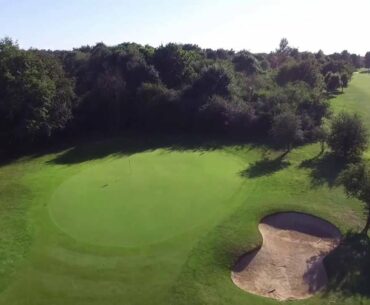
x,y
189,258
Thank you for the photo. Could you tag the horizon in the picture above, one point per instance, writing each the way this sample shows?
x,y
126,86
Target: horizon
x,y
236,24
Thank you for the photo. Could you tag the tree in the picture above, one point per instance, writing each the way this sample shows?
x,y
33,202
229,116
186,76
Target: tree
x,y
306,71
214,115
337,66
344,80
36,97
332,81
283,46
286,129
281,54
107,85
173,87
356,181
157,108
345,56
348,136
356,61
173,64
321,134
367,60
245,62
213,80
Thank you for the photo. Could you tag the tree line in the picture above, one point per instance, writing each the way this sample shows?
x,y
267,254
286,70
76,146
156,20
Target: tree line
x,y
46,95
181,88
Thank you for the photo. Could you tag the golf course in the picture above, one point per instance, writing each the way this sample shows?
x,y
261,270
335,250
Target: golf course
x,y
138,219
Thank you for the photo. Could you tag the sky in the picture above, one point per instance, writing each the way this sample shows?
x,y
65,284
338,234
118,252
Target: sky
x,y
254,25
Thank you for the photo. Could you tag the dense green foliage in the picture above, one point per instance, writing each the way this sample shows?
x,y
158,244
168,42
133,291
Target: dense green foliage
x,y
172,88
35,95
348,137
333,81
356,181
286,129
367,60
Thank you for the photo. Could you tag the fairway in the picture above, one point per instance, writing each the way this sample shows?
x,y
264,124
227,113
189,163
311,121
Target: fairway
x,y
117,222
146,198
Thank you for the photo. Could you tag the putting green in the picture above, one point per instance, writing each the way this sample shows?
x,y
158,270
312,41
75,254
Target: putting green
x,y
146,198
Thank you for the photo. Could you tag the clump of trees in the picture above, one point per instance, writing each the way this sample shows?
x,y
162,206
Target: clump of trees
x,y
36,96
172,88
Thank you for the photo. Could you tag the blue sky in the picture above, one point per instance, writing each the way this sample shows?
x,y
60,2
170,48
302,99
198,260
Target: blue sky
x,y
255,25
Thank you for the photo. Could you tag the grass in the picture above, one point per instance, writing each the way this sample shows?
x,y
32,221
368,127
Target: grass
x,y
161,221
146,198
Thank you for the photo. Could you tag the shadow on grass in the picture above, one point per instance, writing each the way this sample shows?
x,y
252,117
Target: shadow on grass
x,y
265,167
325,169
135,143
348,266
333,94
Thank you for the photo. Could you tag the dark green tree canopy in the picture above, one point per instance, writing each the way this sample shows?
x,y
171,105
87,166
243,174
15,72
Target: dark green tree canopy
x,y
286,129
245,62
307,71
348,136
356,182
35,95
367,60
174,65
172,88
333,81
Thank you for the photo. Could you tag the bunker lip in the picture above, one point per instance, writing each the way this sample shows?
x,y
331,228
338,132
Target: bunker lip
x,y
289,263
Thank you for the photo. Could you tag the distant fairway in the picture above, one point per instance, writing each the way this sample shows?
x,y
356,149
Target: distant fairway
x,y
118,222
146,198
356,97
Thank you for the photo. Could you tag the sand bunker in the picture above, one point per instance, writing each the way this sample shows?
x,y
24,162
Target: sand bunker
x,y
289,264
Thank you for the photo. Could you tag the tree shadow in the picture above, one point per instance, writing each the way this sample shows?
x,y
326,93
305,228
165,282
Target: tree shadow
x,y
333,94
315,275
265,167
348,266
102,148
325,169
135,143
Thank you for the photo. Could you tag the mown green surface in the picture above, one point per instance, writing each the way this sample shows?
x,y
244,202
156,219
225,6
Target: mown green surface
x,y
147,198
152,224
